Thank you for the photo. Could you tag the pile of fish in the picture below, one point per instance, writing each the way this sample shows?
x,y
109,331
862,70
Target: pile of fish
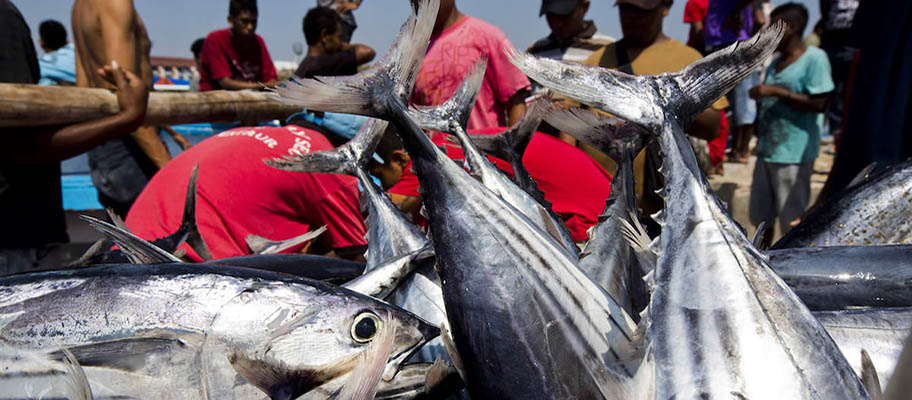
x,y
496,298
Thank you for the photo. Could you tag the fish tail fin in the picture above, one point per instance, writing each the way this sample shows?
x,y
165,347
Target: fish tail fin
x,y
188,220
348,159
358,94
609,135
139,251
645,100
457,108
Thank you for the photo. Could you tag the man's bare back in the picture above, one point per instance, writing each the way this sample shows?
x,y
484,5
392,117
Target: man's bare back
x,y
105,31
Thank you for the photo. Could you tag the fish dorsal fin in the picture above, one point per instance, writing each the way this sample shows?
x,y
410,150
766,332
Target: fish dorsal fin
x,y
450,347
869,377
261,245
188,221
549,227
116,219
96,248
137,250
78,383
639,241
862,176
757,240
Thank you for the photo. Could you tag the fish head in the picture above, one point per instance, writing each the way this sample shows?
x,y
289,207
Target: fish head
x,y
293,346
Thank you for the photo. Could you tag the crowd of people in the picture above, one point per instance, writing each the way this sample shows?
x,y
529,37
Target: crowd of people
x,y
805,90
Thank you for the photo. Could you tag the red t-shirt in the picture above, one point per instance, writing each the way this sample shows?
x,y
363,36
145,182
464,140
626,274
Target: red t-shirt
x,y
220,60
694,11
573,182
239,195
717,145
452,53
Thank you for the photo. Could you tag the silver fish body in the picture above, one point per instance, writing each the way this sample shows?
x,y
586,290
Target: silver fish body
x,y
876,211
879,331
835,278
282,335
722,324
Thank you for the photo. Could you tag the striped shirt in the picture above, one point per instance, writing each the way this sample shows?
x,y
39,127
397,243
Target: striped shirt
x,y
577,51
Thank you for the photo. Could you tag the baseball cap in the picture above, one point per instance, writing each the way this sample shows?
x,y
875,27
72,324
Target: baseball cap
x,y
559,7
644,4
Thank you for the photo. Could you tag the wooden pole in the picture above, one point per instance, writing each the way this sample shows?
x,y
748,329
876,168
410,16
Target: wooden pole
x,y
32,105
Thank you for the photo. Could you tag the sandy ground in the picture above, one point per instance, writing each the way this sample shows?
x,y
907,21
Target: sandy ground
x,y
734,186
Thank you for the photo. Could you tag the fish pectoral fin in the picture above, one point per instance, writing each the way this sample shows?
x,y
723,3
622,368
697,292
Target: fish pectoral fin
x,y
869,377
123,354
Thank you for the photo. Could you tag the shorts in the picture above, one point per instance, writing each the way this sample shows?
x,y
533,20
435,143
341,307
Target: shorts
x,y
779,190
744,109
119,170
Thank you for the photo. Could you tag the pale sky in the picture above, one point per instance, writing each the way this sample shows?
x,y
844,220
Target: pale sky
x,y
174,24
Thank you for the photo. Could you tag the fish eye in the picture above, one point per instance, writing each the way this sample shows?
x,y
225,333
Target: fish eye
x,y
365,327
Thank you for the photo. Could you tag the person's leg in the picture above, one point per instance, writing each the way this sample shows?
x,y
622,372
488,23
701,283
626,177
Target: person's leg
x,y
745,114
762,201
785,178
799,195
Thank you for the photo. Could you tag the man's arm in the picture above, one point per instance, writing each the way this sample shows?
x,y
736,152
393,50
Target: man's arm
x,y
363,53
118,24
57,145
798,101
516,107
227,83
706,126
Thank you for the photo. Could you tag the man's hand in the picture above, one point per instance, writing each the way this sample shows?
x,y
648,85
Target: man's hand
x,y
132,93
761,91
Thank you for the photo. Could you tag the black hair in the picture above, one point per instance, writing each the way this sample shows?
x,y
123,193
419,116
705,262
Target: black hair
x,y
317,20
794,14
236,7
197,47
53,34
389,143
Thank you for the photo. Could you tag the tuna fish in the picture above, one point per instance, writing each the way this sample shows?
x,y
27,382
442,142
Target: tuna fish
x,y
526,322
202,329
875,211
722,323
835,278
607,257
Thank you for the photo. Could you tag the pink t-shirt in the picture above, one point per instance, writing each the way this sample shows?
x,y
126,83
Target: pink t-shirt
x,y
451,55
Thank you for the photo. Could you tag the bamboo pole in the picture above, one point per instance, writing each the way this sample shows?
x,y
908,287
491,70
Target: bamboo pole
x,y
32,105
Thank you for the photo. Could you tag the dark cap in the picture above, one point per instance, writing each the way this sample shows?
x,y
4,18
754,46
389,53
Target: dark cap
x,y
559,7
644,4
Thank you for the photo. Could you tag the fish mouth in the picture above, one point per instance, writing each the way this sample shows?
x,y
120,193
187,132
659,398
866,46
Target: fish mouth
x,y
428,333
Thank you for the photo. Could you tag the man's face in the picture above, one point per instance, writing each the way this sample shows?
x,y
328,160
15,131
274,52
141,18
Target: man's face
x,y
565,27
332,42
243,24
390,172
640,26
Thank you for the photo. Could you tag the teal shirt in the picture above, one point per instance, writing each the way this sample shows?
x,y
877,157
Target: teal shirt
x,y
786,135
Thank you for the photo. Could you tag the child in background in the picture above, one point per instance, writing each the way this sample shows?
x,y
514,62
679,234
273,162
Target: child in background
x,y
792,100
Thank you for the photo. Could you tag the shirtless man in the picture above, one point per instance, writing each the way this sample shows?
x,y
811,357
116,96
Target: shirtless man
x,y
106,31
